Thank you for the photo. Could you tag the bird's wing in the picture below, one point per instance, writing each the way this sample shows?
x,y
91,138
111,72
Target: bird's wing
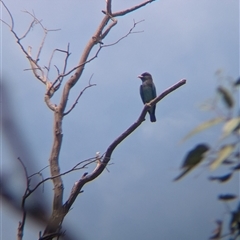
x,y
147,92
154,93
141,93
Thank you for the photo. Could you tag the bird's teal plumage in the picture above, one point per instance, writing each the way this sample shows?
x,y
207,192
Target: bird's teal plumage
x,y
148,92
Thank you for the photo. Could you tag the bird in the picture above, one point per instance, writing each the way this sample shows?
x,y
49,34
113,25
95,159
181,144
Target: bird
x,y
148,92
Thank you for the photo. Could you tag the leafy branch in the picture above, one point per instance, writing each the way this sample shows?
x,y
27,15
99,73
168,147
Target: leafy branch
x,y
226,151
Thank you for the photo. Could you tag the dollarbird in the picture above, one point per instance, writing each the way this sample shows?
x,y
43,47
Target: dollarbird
x,y
148,93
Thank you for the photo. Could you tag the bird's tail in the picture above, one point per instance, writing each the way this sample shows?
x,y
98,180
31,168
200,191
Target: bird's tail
x,y
152,117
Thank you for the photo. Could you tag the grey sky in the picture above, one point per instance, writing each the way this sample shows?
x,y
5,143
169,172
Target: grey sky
x,y
137,200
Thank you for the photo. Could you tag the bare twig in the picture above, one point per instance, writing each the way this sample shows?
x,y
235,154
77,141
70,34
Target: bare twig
x,y
29,191
124,12
45,33
60,75
66,59
129,32
34,63
81,65
28,30
39,22
38,173
35,68
9,13
75,168
22,223
80,94
103,46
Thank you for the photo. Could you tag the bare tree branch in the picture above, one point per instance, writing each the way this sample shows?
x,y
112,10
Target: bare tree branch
x,y
45,33
129,32
9,13
60,76
114,22
80,94
109,20
48,101
100,48
124,12
36,69
59,212
22,223
102,164
109,6
132,128
97,38
28,30
84,163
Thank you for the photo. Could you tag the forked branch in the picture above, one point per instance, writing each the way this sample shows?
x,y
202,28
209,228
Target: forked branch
x,y
80,94
108,22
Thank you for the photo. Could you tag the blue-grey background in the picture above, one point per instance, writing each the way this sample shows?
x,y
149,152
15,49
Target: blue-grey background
x,y
137,199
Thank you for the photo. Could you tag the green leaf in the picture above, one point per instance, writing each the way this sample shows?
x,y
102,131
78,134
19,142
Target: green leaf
x,y
227,197
230,126
235,219
237,82
193,158
217,231
228,162
202,127
223,153
237,167
222,178
226,96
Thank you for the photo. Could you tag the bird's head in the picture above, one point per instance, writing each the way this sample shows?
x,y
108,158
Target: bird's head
x,y
145,76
